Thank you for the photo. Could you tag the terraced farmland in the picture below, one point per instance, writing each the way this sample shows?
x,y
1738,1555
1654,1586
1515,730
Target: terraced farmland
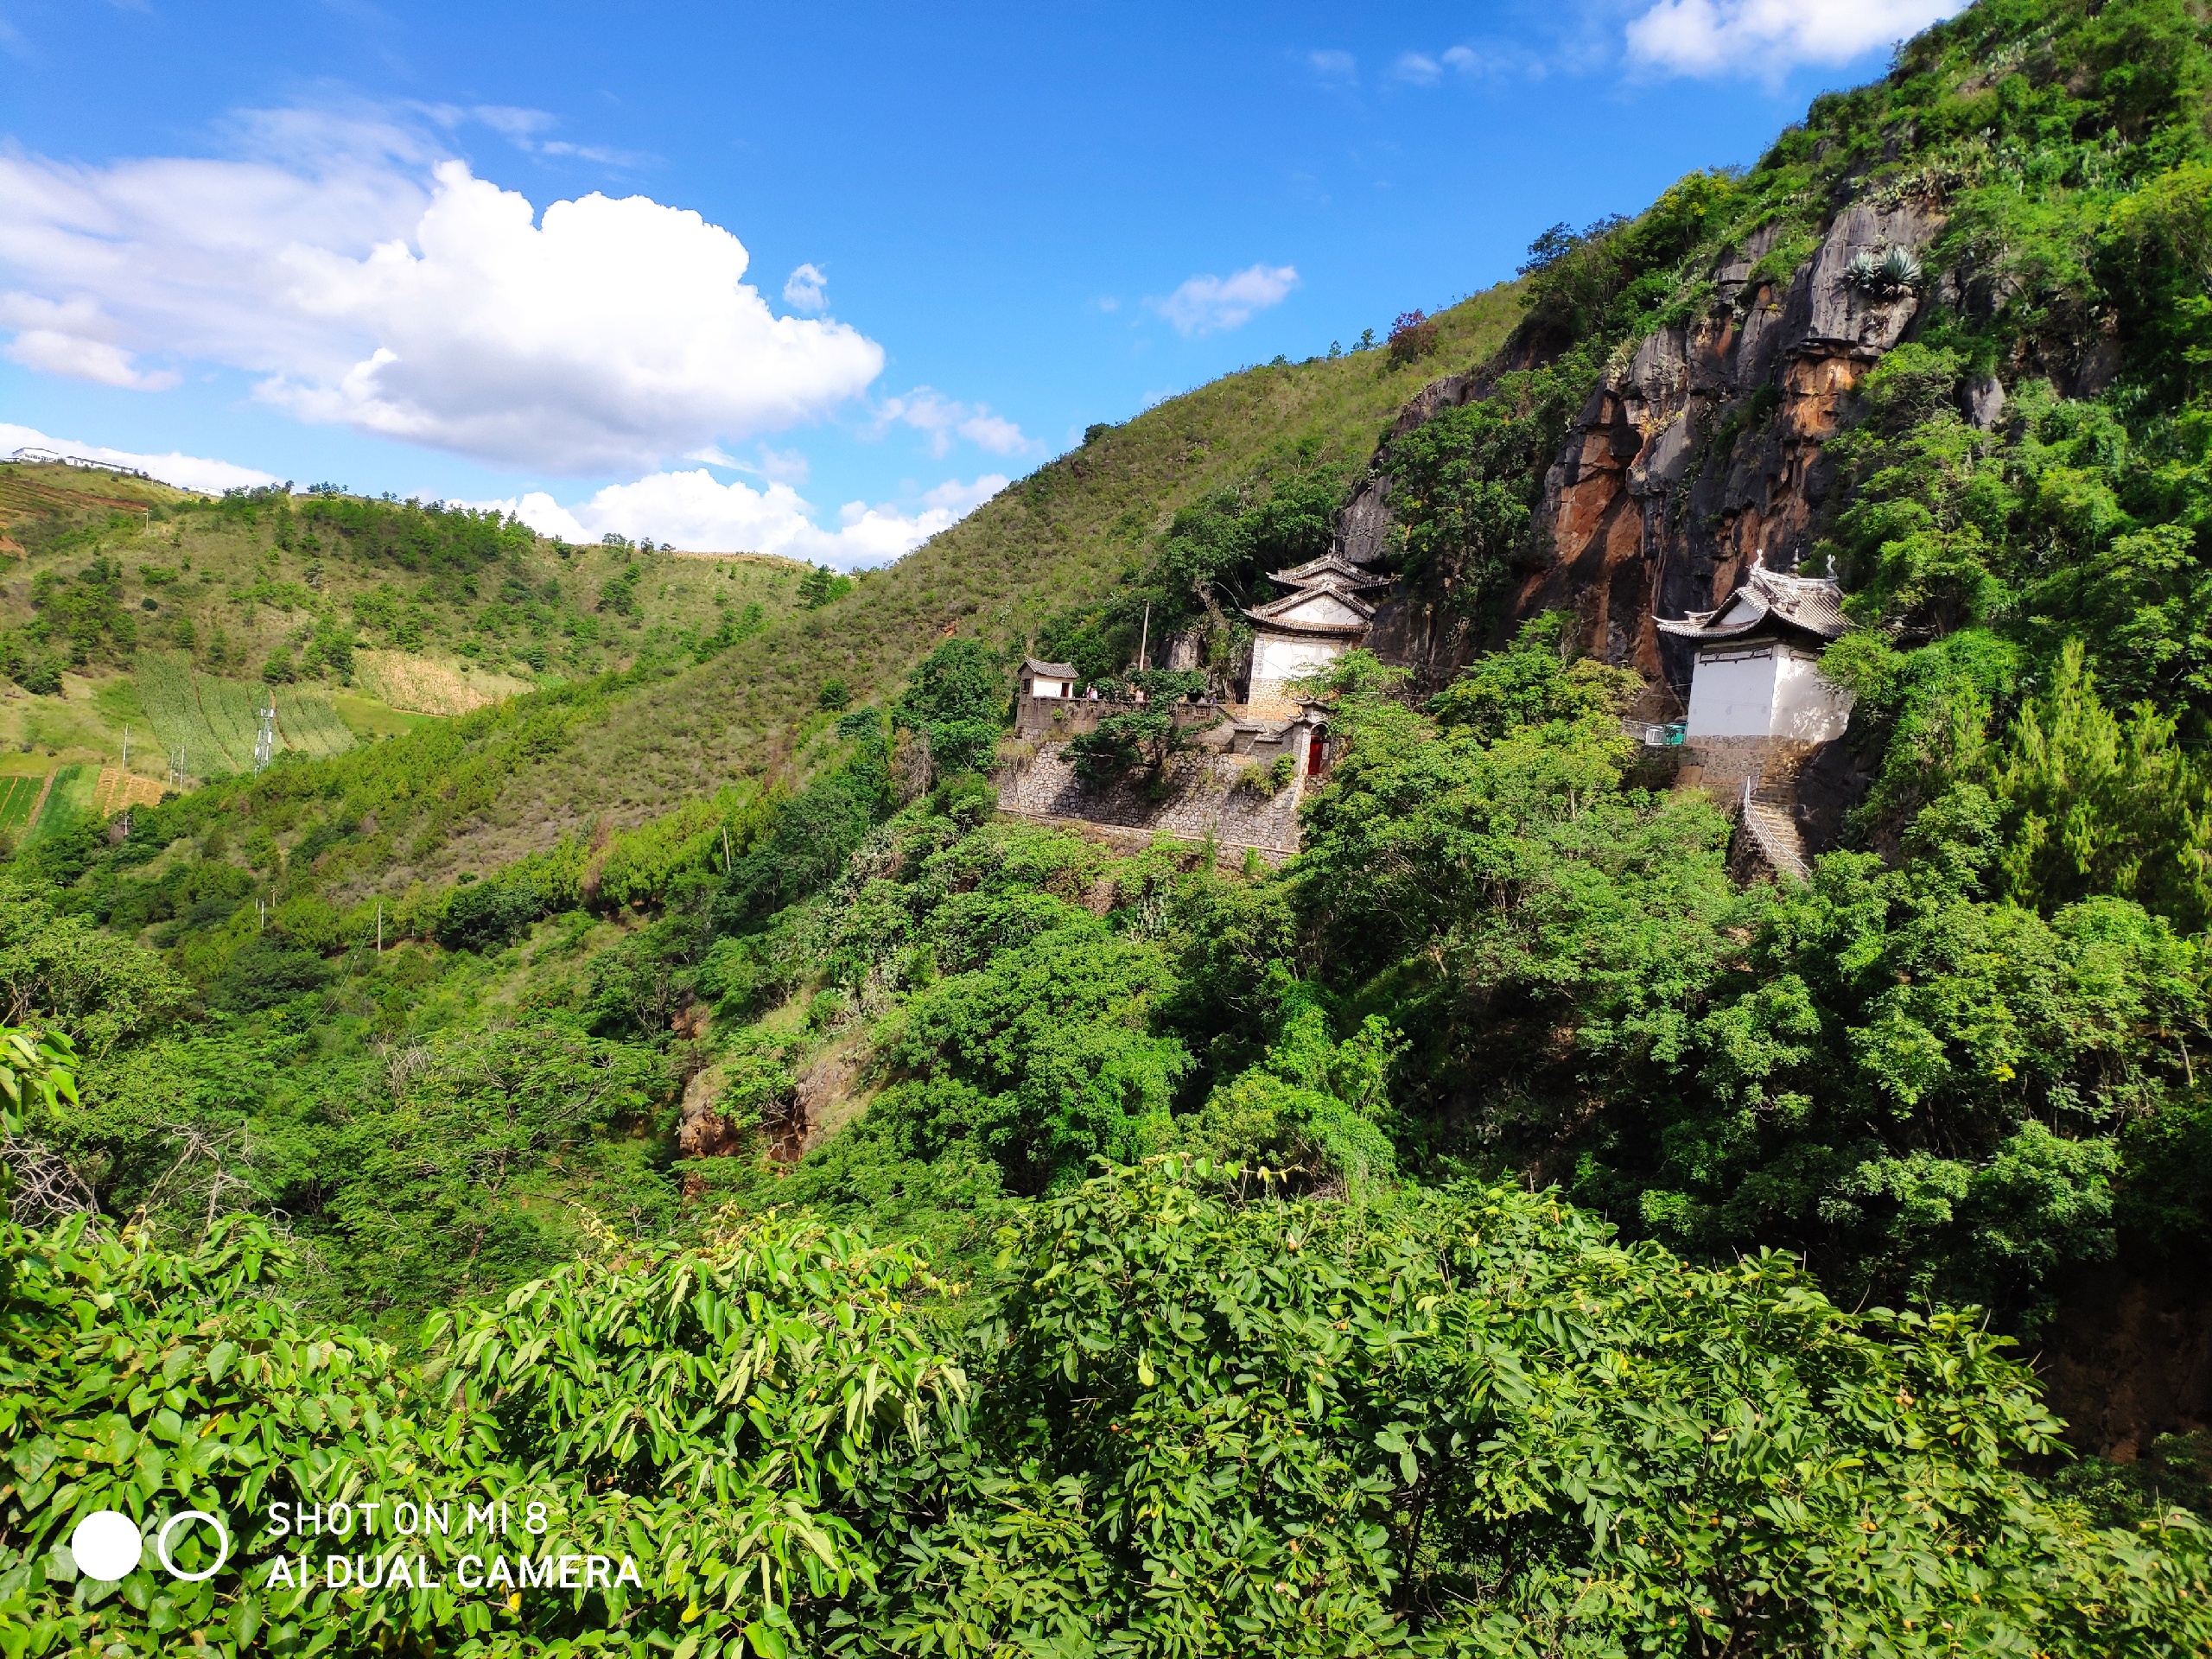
x,y
309,722
166,692
216,720
19,794
69,803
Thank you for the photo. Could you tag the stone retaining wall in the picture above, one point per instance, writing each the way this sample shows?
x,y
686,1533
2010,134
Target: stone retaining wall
x,y
1199,797
1055,718
1719,765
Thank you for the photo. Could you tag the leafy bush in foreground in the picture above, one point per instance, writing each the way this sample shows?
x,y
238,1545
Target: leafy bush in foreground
x,y
1183,1421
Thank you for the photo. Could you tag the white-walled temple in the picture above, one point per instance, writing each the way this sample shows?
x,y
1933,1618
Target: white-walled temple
x,y
1757,673
1323,617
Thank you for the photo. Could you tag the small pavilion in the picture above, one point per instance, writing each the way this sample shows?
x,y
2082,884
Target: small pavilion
x,y
1047,679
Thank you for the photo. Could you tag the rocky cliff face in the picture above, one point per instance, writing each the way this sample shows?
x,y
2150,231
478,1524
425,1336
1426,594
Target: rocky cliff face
x,y
1697,451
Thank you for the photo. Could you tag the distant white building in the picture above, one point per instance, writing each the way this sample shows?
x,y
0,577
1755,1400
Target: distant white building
x,y
1758,672
1323,617
1047,679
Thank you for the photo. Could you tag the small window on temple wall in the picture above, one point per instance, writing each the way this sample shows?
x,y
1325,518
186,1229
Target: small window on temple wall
x,y
1317,752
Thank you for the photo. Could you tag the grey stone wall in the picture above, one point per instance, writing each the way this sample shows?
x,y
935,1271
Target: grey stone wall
x,y
1198,796
1052,719
1720,766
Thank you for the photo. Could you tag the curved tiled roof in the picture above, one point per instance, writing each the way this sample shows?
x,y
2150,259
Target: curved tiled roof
x,y
1768,601
1273,614
1291,625
1328,570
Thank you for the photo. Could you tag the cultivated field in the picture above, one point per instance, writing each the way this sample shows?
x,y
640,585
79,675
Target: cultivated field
x,y
68,802
116,789
19,798
216,721
423,687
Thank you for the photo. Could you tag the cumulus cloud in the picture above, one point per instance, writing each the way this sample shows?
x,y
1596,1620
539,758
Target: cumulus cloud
x,y
1418,69
943,419
1767,38
371,282
186,472
807,290
1206,305
696,512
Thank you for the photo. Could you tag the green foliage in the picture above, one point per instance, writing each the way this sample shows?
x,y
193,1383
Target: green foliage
x,y
1042,1054
958,698
1535,682
267,970
1170,685
821,585
1311,1110
1923,1091
488,914
2105,806
1124,740
1519,911
1464,1421
1464,485
42,1062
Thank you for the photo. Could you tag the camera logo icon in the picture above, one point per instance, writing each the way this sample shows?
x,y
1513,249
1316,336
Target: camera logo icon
x,y
108,1545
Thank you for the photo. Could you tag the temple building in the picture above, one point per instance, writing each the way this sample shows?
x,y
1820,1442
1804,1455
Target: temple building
x,y
1321,618
1757,674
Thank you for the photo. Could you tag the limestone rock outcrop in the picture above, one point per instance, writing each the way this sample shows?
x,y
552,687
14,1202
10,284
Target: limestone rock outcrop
x,y
1701,449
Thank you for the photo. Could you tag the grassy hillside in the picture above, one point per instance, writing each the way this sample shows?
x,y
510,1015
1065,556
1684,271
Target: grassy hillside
x,y
109,563
137,622
1064,537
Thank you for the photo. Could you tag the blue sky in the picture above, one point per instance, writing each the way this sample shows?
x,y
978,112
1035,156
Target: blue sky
x,y
292,238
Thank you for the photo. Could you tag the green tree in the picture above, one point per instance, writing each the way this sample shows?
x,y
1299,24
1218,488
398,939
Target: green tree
x,y
958,697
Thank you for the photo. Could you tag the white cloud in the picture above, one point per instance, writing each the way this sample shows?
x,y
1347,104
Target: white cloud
x,y
70,338
1417,68
782,466
52,352
1766,38
807,290
520,127
1334,68
943,418
694,511
1205,305
371,282
186,472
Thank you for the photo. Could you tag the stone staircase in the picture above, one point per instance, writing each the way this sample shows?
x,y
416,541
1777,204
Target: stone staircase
x,y
1769,816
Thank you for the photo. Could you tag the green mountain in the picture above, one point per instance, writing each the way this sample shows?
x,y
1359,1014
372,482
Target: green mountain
x,y
675,1097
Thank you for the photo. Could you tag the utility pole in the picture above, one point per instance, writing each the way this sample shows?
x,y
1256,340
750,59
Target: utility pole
x,y
1144,640
725,863
379,927
126,748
